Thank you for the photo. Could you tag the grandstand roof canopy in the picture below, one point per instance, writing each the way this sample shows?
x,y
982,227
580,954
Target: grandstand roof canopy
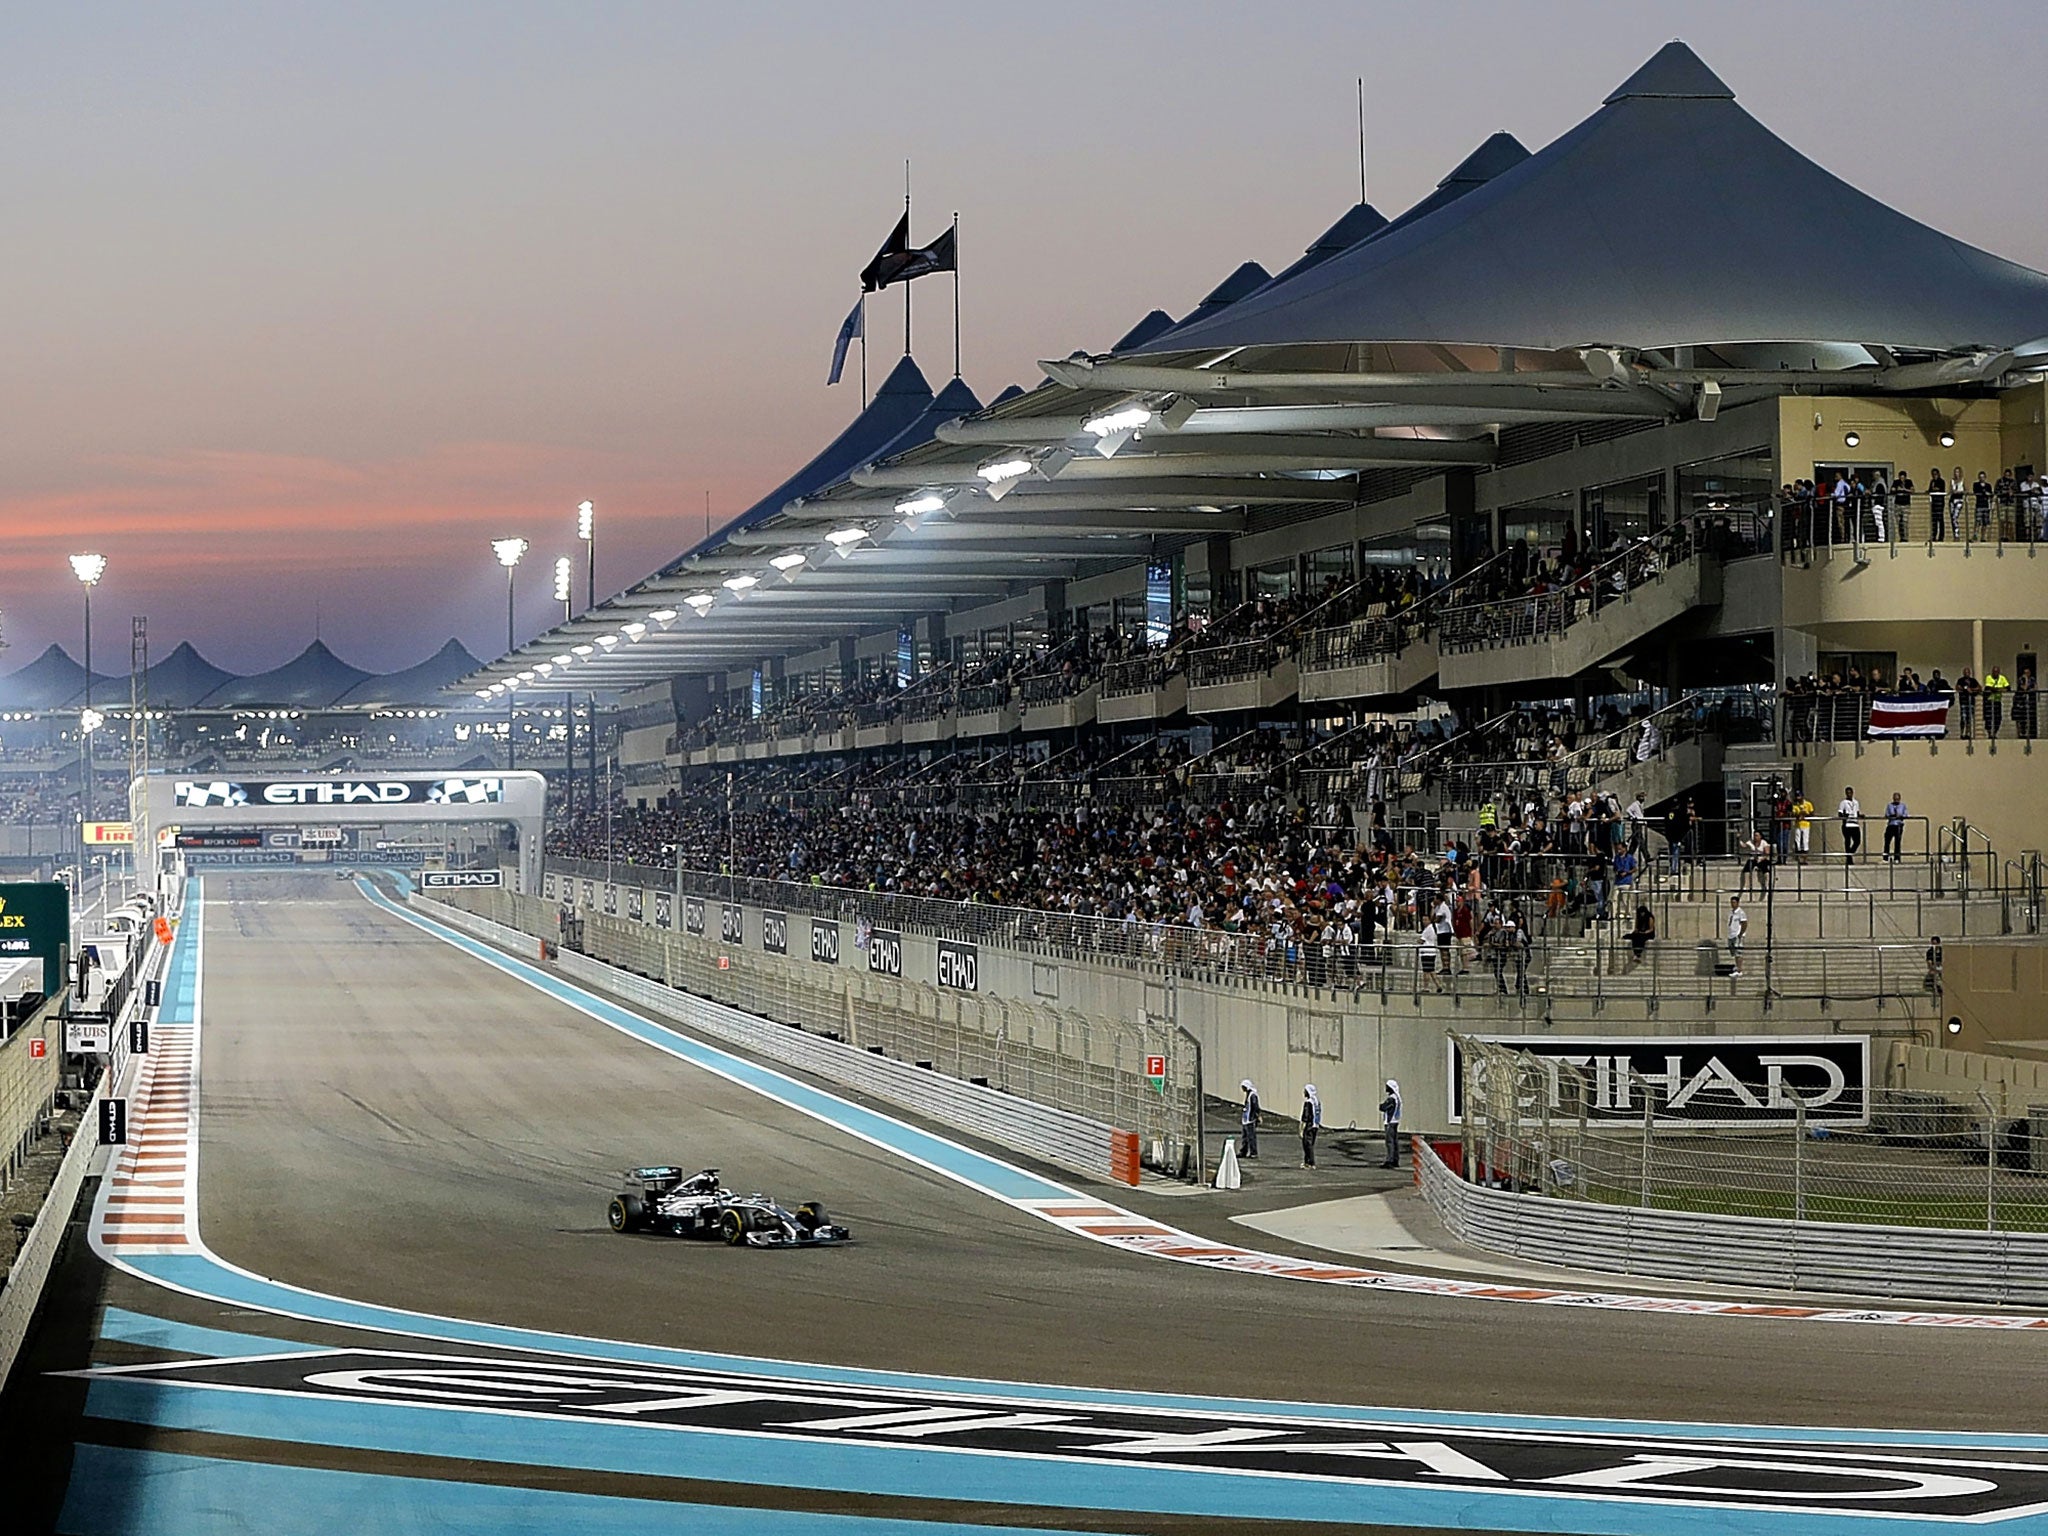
x,y
1670,217
1638,267
315,679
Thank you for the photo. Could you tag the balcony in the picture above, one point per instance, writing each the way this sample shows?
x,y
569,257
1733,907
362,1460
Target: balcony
x,y
1053,702
1379,656
1250,674
1142,688
1550,636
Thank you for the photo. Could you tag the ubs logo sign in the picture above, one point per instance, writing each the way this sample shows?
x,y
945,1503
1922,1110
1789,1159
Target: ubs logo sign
x,y
775,932
611,901
885,952
824,941
664,909
731,929
959,965
693,914
636,902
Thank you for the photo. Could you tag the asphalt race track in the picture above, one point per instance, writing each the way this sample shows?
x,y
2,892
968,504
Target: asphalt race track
x,y
386,1119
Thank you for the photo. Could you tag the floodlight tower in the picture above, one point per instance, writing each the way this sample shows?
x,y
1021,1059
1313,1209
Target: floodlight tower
x,y
508,552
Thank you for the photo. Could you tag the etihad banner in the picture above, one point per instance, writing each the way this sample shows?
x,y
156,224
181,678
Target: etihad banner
x,y
215,794
1725,1082
461,879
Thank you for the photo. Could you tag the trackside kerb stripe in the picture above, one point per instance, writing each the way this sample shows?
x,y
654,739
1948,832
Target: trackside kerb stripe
x,y
116,1492
205,1275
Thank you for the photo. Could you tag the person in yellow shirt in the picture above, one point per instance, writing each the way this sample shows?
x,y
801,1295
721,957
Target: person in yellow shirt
x,y
1802,826
1996,686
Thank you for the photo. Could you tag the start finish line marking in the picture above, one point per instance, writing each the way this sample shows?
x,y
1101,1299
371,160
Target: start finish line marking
x,y
1371,1453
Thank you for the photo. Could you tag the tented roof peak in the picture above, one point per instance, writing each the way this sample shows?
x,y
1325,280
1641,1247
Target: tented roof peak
x,y
1501,151
1674,72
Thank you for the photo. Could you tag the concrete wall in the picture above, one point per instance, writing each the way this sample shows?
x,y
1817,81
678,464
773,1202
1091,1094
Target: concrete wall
x,y
1996,990
1996,786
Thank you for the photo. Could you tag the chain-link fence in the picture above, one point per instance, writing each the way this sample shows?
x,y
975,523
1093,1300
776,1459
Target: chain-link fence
x,y
1083,1063
1604,1131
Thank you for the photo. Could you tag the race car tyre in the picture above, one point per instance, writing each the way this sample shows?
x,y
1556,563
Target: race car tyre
x,y
733,1226
623,1213
811,1216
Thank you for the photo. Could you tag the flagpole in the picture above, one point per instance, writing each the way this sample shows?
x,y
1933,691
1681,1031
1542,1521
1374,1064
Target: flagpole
x,y
906,286
1361,140
863,351
956,293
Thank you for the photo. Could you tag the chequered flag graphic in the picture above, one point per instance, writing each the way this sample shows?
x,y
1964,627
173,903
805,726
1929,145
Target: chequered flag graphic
x,y
464,792
218,792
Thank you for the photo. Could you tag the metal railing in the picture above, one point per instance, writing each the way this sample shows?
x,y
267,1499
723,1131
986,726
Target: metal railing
x,y
1135,674
1570,954
1531,617
1844,715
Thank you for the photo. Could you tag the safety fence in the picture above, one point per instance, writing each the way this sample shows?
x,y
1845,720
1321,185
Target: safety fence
x,y
1907,1263
1600,1132
1571,952
1080,1064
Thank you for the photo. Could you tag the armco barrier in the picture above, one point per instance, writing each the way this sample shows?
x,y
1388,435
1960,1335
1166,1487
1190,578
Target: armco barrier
x,y
1054,1136
1907,1263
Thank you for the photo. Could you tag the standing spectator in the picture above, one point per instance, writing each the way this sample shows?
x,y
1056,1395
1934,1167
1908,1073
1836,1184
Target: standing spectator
x,y
2026,706
1781,822
1738,924
1933,982
1958,497
1894,827
1677,828
1248,1119
1802,826
1996,686
1937,505
1980,498
1902,505
1850,814
1311,1122
1390,1117
1967,689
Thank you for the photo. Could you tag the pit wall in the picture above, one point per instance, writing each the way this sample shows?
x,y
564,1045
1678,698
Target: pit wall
x,y
1281,1035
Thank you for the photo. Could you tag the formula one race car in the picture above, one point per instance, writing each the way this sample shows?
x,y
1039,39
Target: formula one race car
x,y
664,1199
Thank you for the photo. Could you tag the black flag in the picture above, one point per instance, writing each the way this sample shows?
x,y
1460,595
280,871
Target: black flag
x,y
876,275
897,263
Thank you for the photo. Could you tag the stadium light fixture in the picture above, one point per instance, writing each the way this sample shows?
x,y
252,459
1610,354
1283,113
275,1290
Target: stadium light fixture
x,y
843,537
1053,460
790,561
1851,439
634,630
1003,469
663,616
483,693
90,720
741,583
608,642
1948,439
508,551
545,668
1175,413
914,506
583,650
89,568
700,601
564,573
1124,419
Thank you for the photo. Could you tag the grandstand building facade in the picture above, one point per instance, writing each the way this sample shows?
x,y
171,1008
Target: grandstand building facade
x,y
1545,439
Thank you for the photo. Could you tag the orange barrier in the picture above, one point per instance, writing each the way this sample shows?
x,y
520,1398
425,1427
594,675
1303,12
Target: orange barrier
x,y
1123,1156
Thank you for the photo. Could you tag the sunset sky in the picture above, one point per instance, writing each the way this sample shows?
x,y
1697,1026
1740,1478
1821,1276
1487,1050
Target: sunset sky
x,y
307,304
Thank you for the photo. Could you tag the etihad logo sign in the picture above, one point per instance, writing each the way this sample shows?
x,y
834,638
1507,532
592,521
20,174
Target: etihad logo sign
x,y
234,794
1703,1081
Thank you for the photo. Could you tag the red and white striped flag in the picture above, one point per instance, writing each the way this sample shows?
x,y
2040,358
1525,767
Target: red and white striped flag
x,y
1892,715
